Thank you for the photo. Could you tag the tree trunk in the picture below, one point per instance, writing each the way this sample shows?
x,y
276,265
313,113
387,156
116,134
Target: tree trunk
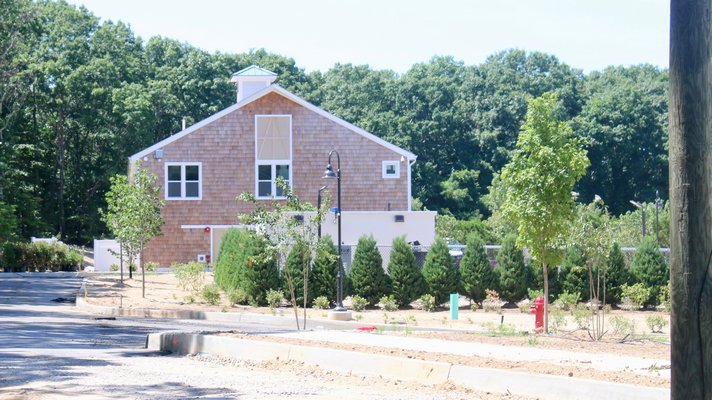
x,y
690,138
143,273
546,297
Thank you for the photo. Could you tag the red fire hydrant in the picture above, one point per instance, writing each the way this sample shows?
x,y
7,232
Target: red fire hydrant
x,y
538,310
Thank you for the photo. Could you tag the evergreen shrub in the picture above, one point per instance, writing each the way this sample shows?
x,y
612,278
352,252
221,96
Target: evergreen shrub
x,y
476,273
441,277
513,274
649,268
324,270
407,280
368,279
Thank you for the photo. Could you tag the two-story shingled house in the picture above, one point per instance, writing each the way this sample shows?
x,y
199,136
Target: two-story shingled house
x,y
269,133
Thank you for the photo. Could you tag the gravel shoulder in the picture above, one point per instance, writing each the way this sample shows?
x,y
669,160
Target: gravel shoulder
x,y
163,293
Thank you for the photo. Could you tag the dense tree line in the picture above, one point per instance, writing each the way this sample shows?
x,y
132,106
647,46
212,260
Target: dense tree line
x,y
79,95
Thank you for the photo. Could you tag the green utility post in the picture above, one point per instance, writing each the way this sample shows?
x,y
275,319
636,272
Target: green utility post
x,y
454,306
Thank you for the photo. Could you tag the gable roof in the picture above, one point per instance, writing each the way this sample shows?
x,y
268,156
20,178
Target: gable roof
x,y
253,70
282,92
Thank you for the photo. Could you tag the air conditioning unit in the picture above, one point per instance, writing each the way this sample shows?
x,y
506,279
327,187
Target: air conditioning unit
x,y
202,258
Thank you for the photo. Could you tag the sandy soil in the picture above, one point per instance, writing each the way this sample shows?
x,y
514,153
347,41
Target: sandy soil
x,y
163,292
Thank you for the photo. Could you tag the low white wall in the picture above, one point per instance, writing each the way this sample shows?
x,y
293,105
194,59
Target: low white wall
x,y
416,225
103,256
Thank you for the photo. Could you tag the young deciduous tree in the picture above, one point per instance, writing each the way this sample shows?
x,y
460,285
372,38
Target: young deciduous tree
x,y
406,278
441,277
476,272
299,259
368,279
547,163
133,212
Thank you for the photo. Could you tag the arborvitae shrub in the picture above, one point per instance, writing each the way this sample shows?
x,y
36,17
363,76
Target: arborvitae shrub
x,y
326,261
476,273
617,275
298,259
234,253
513,274
574,273
441,277
368,279
407,280
246,264
649,268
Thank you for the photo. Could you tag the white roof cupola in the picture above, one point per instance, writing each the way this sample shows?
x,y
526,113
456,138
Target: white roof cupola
x,y
251,80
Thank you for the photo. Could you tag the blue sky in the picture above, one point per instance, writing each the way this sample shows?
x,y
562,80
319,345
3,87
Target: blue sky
x,y
395,34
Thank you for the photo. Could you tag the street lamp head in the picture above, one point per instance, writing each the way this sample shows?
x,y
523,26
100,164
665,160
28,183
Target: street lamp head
x,y
321,189
635,203
329,173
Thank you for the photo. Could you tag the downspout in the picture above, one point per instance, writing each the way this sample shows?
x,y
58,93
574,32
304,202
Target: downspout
x,y
410,185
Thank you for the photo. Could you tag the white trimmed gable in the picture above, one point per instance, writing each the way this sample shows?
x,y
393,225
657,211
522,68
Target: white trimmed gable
x,y
274,88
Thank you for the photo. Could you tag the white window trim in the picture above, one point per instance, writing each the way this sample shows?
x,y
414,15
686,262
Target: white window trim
x,y
182,182
273,163
384,168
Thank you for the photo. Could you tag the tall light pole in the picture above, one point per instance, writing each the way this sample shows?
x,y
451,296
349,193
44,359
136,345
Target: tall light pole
x,y
339,312
658,205
318,209
642,209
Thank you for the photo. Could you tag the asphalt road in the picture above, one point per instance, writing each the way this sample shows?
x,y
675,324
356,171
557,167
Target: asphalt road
x,y
50,350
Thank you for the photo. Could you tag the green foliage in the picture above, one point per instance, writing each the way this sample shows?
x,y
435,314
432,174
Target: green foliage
x,y
649,268
150,266
622,326
274,298
476,273
246,264
321,303
211,294
39,257
617,274
634,296
407,280
358,303
567,301
664,298
368,279
533,294
190,276
238,296
441,277
558,319
428,302
324,269
513,274
8,223
388,303
656,323
582,315
574,273
460,230
298,267
133,211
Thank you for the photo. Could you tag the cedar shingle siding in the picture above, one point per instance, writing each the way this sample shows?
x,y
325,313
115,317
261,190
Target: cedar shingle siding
x,y
226,149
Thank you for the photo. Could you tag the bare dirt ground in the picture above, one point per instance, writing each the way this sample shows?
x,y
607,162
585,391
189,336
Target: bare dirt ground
x,y
162,292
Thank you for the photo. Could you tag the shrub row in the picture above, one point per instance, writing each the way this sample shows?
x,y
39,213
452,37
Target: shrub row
x,y
248,267
39,257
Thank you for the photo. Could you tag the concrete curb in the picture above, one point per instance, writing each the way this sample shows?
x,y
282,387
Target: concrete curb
x,y
427,372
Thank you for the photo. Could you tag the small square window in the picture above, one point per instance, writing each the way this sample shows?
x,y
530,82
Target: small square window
x,y
391,169
183,181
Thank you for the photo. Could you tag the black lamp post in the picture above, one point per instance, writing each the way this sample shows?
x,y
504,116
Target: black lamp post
x,y
318,209
642,209
330,174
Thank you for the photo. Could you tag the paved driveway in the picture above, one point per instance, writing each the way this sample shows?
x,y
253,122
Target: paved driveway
x,y
50,350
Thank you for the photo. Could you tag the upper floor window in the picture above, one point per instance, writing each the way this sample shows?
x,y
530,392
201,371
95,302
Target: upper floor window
x,y
184,181
391,169
273,154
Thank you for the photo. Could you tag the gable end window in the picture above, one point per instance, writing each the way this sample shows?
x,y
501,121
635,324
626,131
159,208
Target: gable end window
x,y
391,170
184,181
273,154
